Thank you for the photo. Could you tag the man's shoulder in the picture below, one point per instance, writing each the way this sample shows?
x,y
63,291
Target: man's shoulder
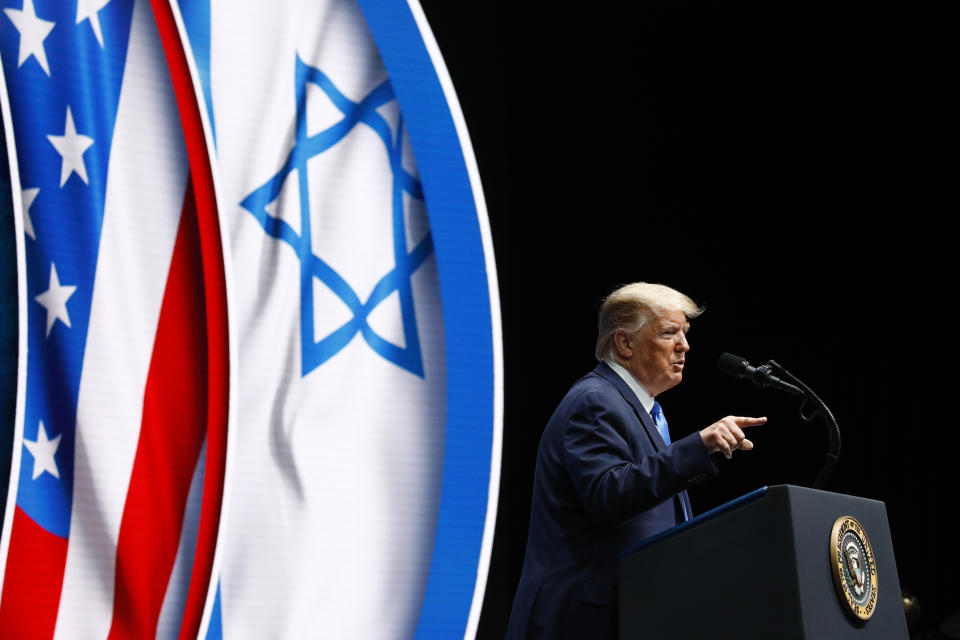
x,y
593,384
592,393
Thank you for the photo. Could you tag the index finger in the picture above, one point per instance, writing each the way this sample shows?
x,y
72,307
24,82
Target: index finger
x,y
749,422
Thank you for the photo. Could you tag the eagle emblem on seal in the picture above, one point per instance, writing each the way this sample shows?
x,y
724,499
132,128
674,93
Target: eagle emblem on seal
x,y
854,567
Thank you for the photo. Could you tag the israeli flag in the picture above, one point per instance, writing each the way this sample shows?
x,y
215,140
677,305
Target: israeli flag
x,y
343,438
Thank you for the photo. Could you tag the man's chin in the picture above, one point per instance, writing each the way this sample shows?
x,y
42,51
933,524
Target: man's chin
x,y
673,381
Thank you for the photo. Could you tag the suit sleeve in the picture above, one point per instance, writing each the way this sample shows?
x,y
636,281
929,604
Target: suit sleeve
x,y
612,484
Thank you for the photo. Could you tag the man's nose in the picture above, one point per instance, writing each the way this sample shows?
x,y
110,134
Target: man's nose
x,y
682,344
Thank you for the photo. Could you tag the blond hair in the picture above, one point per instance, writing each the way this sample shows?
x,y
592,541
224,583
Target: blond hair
x,y
629,307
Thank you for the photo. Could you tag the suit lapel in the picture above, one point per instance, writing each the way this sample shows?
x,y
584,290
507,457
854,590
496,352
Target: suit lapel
x,y
604,370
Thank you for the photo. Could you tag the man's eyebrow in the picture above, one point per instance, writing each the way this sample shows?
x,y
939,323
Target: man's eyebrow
x,y
670,324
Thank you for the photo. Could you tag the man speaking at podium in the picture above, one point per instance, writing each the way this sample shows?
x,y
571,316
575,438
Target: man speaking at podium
x,y
607,473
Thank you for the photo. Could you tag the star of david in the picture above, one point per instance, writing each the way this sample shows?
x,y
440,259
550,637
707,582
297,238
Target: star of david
x,y
406,262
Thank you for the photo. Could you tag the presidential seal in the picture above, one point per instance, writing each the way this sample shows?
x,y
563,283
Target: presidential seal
x,y
854,569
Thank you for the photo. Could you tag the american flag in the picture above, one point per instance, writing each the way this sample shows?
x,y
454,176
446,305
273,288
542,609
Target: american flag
x,y
121,472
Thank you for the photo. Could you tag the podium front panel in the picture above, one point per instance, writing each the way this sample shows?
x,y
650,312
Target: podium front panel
x,y
760,569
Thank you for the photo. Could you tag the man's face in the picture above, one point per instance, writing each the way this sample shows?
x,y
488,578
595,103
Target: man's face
x,y
658,351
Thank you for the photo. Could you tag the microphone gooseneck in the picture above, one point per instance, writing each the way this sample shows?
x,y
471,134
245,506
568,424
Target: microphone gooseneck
x,y
762,376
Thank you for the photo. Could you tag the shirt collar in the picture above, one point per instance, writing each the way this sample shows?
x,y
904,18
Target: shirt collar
x,y
638,389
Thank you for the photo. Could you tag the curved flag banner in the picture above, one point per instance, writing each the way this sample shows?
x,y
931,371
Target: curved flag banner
x,y
357,494
364,462
115,494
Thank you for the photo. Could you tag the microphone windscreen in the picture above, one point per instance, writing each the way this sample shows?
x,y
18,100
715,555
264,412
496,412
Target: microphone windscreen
x,y
731,365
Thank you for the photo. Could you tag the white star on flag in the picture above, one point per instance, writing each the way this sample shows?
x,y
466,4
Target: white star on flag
x,y
71,146
54,300
28,196
43,450
89,10
33,31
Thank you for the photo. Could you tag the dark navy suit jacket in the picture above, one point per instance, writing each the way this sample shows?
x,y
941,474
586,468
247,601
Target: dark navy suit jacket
x,y
605,479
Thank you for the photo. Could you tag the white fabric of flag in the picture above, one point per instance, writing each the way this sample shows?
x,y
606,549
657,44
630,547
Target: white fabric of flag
x,y
336,454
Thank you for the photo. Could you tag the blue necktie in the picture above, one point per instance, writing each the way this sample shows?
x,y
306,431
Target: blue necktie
x,y
658,419
661,421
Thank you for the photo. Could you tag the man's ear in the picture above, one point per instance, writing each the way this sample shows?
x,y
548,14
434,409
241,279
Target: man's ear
x,y
622,343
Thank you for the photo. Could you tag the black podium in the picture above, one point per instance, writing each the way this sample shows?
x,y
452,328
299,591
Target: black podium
x,y
761,566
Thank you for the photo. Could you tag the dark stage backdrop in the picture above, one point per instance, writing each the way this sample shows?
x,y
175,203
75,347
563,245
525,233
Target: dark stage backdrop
x,y
8,324
790,166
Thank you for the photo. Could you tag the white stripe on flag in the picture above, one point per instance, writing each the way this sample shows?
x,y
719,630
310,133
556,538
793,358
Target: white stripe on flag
x,y
174,601
145,187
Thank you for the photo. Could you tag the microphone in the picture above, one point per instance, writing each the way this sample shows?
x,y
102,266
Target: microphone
x,y
737,367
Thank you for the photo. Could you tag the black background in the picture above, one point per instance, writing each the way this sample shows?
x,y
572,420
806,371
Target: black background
x,y
792,167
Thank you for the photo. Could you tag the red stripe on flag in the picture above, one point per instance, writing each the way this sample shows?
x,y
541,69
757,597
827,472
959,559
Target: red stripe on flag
x,y
214,280
33,580
171,436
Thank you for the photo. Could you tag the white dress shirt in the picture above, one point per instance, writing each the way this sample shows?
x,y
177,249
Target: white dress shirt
x,y
638,389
